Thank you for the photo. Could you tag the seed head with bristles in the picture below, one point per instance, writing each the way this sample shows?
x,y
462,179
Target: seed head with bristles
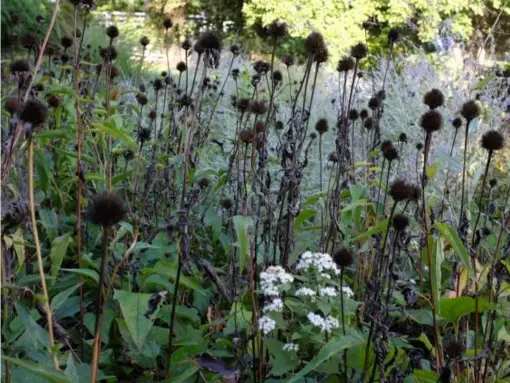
x,y
353,115
186,45
393,35
402,138
66,41
314,44
167,23
368,123
434,98
277,29
144,41
359,51
431,121
400,190
181,66
470,110
112,32
19,66
34,112
321,126
363,114
288,60
457,122
400,222
208,41
343,256
11,104
142,99
374,103
106,209
345,64
258,107
493,141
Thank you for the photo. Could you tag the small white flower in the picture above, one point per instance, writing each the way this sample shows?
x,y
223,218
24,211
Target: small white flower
x,y
412,281
347,291
266,325
272,278
275,305
325,324
305,291
291,347
328,292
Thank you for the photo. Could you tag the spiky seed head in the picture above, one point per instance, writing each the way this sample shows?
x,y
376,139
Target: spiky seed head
x,y
455,349
470,110
353,115
164,74
277,29
415,193
386,144
106,209
434,98
152,115
261,67
128,154
457,122
144,134
258,107
246,136
66,41
204,183
419,146
243,105
313,136
260,127
493,182
167,23
39,87
390,154
53,101
279,125
34,112
322,126
314,44
374,103
322,56
157,85
431,121
345,64
288,60
208,41
363,114
359,51
29,40
235,49
141,98
393,35
114,72
142,88
333,157
144,41
368,123
400,190
15,19
77,33
400,222
227,203
11,104
112,32
381,95
343,256
277,76
19,66
181,66
402,138
108,53
186,45
493,140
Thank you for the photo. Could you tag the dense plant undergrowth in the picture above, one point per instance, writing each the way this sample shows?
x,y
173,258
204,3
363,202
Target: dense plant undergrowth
x,y
235,221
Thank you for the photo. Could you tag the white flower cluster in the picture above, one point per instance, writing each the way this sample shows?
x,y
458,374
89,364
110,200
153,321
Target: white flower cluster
x,y
322,262
347,291
272,278
291,347
266,324
326,324
305,292
328,292
275,305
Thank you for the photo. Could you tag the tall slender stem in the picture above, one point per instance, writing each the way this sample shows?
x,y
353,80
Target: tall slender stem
x,y
466,136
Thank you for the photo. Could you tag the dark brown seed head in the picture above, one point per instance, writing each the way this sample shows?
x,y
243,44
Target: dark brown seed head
x,y
260,127
157,85
144,41
400,190
114,72
15,19
343,256
261,67
313,135
99,69
128,154
246,136
112,32
77,33
386,144
288,60
390,154
393,35
29,40
457,122
470,110
167,23
186,45
314,44
108,54
493,182
277,29
258,107
434,98
322,126
235,49
39,19
374,103
144,134
359,51
322,56
53,101
431,121
66,41
277,76
152,114
353,115
400,222
415,193
345,64
11,104
227,203
34,112
203,183
363,114
208,41
455,349
243,105
279,125
419,146
368,123
333,157
19,66
106,209
402,138
181,66
493,140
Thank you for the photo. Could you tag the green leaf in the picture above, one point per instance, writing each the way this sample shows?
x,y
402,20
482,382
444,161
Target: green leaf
x,y
241,227
381,226
70,371
431,171
355,204
186,375
18,243
57,254
134,306
34,331
49,220
452,309
437,260
109,128
451,235
425,376
169,270
54,133
92,274
61,297
332,348
284,361
39,369
303,216
480,84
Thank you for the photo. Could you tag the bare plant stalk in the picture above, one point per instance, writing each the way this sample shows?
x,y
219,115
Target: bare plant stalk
x,y
37,244
466,136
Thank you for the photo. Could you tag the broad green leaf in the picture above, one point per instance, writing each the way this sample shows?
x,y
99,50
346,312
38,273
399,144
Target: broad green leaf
x,y
381,226
70,371
284,361
49,220
186,375
431,171
355,204
39,369
480,84
425,376
243,243
92,274
61,297
437,260
452,309
57,254
42,171
169,270
303,216
18,243
451,235
54,133
312,199
330,349
35,331
134,307
356,191
109,128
